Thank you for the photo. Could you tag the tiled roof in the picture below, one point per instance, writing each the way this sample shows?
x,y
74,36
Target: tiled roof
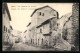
x,y
41,8
45,22
5,7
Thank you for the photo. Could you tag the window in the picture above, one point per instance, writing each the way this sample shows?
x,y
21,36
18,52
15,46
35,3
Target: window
x,y
40,30
43,14
39,13
31,40
57,15
42,40
54,14
57,24
4,28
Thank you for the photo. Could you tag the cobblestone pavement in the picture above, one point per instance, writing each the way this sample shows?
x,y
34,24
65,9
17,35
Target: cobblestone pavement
x,y
25,47
5,47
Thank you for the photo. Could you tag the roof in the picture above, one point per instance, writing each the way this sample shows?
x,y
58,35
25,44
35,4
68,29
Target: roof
x,y
5,7
41,8
25,31
66,15
45,22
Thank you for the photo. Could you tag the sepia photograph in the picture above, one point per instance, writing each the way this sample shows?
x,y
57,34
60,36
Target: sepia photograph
x,y
40,26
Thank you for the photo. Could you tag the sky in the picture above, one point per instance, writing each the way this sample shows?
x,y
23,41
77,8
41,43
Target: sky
x,y
21,12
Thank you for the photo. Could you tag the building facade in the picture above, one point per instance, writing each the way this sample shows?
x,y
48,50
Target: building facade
x,y
47,32
46,29
17,35
68,25
5,23
43,23
64,32
11,36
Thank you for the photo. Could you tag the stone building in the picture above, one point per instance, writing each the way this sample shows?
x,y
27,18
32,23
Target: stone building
x,y
17,34
47,31
68,26
11,41
64,32
43,23
5,23
27,34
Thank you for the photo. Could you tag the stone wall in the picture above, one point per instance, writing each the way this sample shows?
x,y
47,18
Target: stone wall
x,y
75,19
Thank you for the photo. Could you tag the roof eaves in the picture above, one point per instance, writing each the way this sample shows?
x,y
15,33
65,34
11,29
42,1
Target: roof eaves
x,y
38,9
45,22
28,24
5,7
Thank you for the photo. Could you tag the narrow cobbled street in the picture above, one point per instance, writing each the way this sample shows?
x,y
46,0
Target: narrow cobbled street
x,y
25,47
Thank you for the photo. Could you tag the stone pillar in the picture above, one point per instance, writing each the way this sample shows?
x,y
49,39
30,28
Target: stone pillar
x,y
75,20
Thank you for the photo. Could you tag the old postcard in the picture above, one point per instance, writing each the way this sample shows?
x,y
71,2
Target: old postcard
x,y
40,26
